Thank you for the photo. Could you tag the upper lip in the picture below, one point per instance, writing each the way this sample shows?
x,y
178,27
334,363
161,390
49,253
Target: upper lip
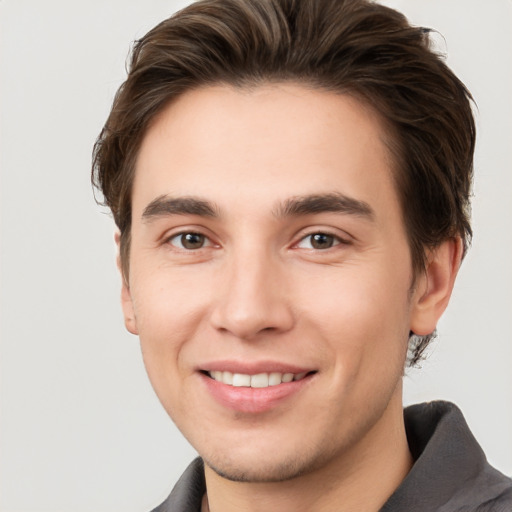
x,y
253,367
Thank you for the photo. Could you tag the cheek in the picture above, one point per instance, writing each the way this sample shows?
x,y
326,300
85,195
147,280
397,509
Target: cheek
x,y
168,301
169,309
363,316
358,298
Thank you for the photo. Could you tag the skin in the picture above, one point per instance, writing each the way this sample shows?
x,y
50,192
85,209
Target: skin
x,y
258,291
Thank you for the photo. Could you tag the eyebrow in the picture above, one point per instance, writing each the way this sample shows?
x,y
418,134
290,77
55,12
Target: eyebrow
x,y
165,205
321,203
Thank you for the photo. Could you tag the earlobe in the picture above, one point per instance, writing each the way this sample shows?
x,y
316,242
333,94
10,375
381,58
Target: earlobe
x,y
130,321
434,287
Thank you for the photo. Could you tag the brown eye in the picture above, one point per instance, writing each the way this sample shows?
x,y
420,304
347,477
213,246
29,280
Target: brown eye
x,y
189,241
319,241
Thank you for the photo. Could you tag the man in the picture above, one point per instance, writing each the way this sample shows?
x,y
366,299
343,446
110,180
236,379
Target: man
x,y
291,183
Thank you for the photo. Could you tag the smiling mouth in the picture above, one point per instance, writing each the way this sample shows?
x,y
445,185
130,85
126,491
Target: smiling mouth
x,y
259,380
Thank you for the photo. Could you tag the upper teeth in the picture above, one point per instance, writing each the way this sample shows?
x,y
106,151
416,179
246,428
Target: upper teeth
x,y
260,380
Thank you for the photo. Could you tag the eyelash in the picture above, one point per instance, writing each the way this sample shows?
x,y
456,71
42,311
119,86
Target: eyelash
x,y
335,240
183,234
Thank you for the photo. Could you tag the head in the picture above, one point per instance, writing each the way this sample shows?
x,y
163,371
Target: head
x,y
357,48
294,54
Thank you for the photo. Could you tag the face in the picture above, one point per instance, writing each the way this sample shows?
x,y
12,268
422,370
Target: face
x,y
270,277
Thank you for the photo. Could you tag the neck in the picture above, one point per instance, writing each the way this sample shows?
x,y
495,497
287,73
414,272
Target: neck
x,y
361,478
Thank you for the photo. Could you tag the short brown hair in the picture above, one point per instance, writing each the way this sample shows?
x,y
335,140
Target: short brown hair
x,y
355,47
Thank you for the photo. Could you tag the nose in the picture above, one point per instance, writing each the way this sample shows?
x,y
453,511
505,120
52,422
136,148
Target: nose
x,y
253,297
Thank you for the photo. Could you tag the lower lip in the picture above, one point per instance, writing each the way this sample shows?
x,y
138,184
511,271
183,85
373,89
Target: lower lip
x,y
253,400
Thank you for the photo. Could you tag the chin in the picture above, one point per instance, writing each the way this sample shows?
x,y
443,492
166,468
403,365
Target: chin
x,y
266,470
287,470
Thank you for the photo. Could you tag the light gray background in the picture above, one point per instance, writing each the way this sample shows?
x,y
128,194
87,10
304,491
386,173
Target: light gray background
x,y
80,427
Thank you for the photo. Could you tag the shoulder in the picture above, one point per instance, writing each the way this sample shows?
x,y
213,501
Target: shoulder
x,y
500,503
450,472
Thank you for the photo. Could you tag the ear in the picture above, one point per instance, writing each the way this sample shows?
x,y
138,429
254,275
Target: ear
x,y
130,321
434,287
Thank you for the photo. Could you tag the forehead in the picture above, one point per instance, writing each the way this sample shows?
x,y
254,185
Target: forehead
x,y
263,144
